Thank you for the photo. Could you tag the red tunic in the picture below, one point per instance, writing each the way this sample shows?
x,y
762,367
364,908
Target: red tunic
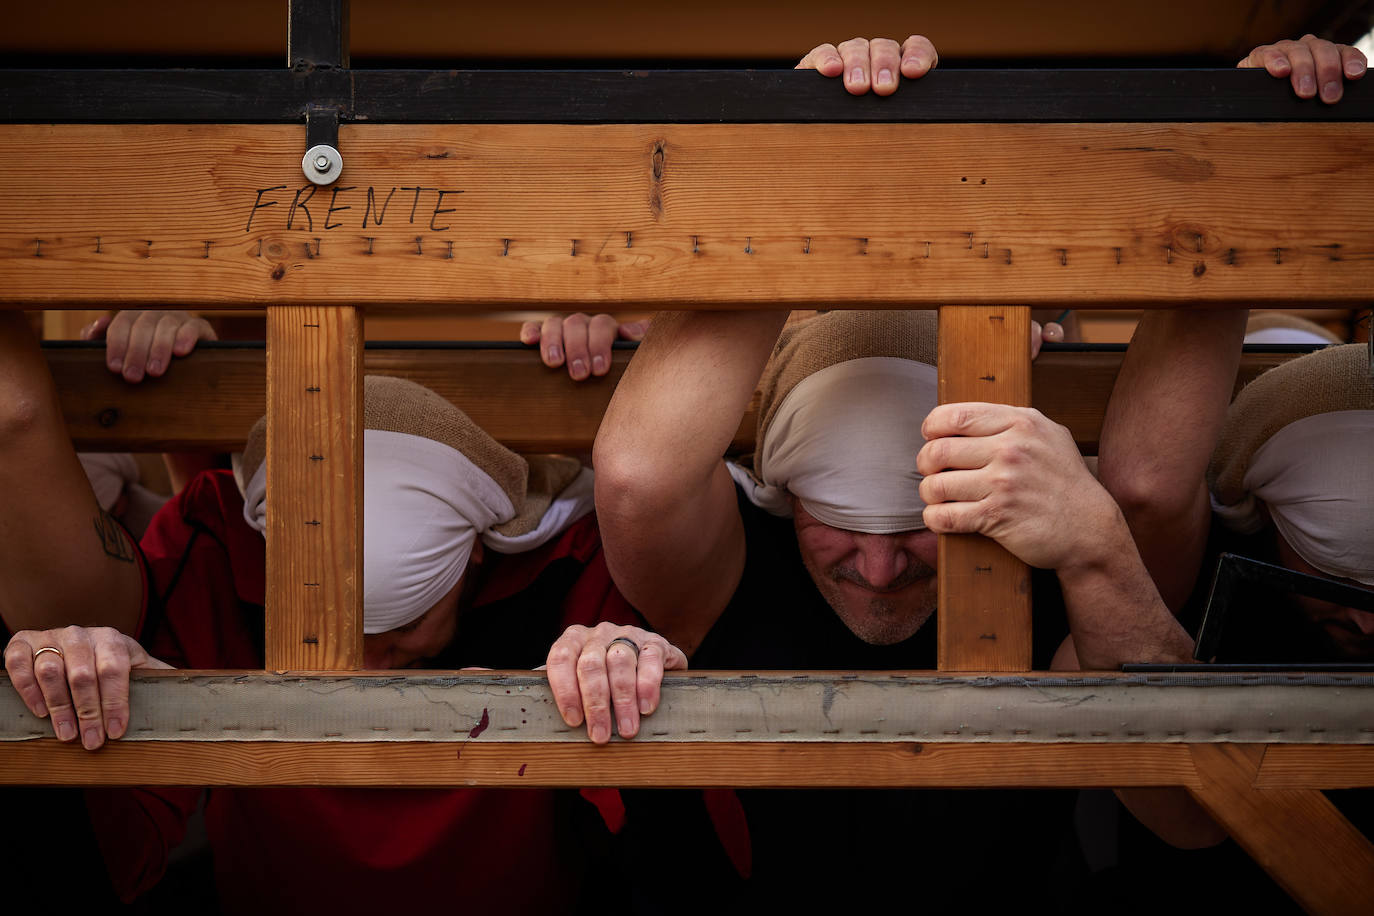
x,y
311,850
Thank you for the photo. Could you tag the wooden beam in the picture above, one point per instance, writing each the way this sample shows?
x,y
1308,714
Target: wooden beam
x,y
984,592
314,488
689,215
509,393
1335,766
46,762
1305,844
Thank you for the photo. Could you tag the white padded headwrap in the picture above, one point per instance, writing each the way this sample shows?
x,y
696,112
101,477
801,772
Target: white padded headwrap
x,y
844,442
109,473
424,505
1316,476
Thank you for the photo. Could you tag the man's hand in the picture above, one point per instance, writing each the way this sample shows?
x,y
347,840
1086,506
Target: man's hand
x,y
1013,475
593,671
83,685
139,342
580,342
1311,64
876,63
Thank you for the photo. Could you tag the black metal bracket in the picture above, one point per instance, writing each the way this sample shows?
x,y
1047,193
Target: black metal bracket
x,y
1233,570
318,54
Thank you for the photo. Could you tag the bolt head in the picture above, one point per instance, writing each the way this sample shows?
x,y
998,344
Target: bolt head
x,y
322,163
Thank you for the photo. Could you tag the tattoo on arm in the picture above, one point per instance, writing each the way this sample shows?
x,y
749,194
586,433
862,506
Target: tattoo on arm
x,y
112,537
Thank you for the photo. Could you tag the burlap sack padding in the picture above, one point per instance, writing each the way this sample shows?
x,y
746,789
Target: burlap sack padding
x,y
402,406
835,337
549,476
1328,380
1264,321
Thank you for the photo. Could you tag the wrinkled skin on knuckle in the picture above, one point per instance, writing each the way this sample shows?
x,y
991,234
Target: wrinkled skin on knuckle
x,y
561,655
48,673
589,664
107,668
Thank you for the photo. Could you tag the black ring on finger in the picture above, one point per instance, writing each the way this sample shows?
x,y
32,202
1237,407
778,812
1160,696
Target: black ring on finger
x,y
627,641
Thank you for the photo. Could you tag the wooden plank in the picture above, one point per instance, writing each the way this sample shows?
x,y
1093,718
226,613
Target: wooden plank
x,y
314,488
1316,767
46,762
690,215
1297,835
509,393
984,592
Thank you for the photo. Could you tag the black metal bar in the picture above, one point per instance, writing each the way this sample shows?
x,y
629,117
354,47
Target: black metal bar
x,y
317,35
659,96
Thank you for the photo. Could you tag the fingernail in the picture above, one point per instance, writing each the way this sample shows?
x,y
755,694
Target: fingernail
x,y
154,366
918,62
599,735
579,369
644,707
65,731
90,738
1353,68
856,75
1331,91
884,77
598,364
555,353
625,726
116,364
116,728
1307,85
571,716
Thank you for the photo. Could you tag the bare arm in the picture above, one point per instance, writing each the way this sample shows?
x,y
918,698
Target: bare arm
x,y
65,561
1159,431
669,520
1014,475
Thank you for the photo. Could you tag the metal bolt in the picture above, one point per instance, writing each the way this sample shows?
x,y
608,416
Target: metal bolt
x,y
322,163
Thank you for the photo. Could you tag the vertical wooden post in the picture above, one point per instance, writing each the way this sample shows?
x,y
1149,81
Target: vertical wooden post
x,y
1305,844
985,602
314,488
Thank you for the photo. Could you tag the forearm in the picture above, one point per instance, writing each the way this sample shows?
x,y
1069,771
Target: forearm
x,y
1159,431
1115,613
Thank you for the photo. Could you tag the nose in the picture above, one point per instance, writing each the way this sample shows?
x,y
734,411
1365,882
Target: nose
x,y
879,558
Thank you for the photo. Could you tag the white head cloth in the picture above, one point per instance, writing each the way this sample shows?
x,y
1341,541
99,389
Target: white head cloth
x,y
1316,477
844,442
109,473
1285,336
424,505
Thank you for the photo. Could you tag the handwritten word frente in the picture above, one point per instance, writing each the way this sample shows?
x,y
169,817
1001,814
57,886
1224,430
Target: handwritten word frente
x,y
299,208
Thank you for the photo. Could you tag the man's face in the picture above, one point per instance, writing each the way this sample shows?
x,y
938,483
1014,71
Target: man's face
x,y
1348,632
881,585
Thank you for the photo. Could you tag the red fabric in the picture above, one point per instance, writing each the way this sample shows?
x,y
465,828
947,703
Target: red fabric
x,y
310,850
732,828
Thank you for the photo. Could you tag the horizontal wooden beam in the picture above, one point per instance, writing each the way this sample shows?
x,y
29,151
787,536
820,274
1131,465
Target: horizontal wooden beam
x,y
46,762
690,215
508,392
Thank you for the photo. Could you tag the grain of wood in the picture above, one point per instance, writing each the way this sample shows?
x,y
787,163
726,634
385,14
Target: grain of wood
x,y
314,488
516,216
481,763
984,592
1317,767
1297,835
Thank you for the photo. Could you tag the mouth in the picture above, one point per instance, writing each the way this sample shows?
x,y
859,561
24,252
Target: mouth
x,y
917,572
